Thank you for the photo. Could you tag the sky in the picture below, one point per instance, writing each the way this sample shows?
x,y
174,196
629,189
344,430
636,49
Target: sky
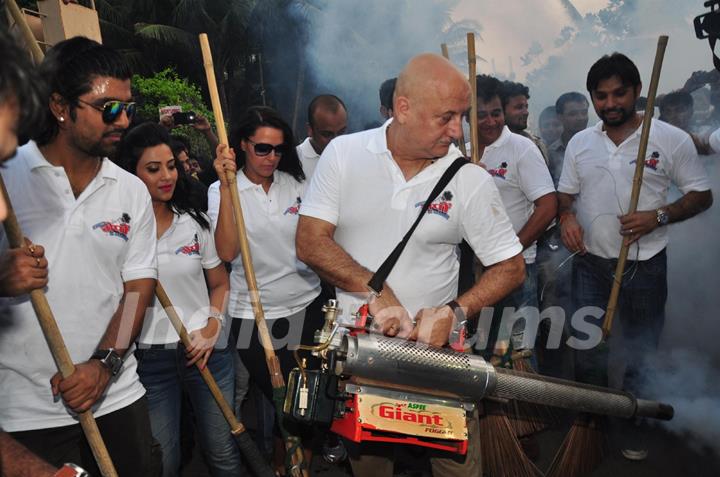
x,y
511,26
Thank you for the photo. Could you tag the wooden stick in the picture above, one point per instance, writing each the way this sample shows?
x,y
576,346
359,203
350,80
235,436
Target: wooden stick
x,y
461,139
276,378
27,33
57,344
637,182
472,65
445,52
235,426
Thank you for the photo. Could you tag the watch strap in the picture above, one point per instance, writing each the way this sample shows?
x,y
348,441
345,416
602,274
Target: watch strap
x,y
71,470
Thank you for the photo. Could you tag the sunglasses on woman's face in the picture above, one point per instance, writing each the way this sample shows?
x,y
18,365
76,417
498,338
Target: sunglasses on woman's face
x,y
263,149
112,109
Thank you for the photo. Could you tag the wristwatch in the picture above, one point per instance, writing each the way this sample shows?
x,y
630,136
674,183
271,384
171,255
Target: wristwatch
x,y
110,359
663,218
71,470
459,332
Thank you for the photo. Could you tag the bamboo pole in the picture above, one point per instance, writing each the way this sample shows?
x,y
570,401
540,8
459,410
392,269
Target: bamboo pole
x,y
30,40
55,342
276,378
461,139
472,65
247,446
637,182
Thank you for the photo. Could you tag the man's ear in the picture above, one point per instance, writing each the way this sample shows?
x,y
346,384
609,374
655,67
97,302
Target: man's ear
x,y
401,109
59,108
638,90
309,129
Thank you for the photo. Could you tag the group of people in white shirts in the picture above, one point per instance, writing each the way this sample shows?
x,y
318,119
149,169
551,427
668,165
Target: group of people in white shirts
x,y
107,236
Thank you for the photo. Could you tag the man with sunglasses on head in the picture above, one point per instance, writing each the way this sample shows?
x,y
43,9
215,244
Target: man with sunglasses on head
x,y
96,224
327,119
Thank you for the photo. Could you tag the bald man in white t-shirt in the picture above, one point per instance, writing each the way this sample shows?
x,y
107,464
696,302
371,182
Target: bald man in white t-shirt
x,y
368,189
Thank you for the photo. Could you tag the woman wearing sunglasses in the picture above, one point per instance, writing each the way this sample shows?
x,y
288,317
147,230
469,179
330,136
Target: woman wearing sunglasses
x,y
271,185
196,281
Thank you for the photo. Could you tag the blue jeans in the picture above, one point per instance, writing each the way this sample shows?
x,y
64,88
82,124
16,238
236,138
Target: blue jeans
x,y
641,308
523,296
164,374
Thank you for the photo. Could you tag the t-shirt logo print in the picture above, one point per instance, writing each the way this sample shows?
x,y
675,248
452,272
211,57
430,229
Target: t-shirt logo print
x,y
189,250
440,206
116,228
500,171
295,208
651,161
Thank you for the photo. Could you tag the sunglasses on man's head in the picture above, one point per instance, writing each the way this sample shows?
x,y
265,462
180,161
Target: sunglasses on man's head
x,y
263,149
112,109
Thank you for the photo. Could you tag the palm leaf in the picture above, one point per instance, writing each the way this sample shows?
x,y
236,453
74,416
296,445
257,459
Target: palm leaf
x,y
168,36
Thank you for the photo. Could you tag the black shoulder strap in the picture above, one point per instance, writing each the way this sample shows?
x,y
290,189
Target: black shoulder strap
x,y
378,279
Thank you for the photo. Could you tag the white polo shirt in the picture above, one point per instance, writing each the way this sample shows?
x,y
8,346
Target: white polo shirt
x,y
521,176
184,251
308,157
286,284
93,244
600,174
360,189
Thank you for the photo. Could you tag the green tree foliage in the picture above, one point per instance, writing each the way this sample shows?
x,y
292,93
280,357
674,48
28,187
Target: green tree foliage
x,y
166,88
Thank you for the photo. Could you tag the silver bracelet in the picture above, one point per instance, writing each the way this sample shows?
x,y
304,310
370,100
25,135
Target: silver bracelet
x,y
218,316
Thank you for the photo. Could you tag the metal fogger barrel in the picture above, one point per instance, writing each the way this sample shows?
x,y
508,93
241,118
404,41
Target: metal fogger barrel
x,y
416,364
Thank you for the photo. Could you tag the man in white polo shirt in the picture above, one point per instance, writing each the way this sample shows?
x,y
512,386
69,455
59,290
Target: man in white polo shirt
x,y
594,193
526,189
96,224
327,119
366,193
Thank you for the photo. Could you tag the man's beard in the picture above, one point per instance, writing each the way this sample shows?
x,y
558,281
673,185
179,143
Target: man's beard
x,y
98,149
625,116
519,125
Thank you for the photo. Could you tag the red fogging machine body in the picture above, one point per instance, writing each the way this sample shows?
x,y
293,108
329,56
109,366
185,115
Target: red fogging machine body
x,y
376,388
380,413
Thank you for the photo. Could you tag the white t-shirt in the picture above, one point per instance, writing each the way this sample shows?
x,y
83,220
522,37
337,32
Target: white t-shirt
x,y
286,285
308,157
600,174
360,189
521,176
93,244
183,252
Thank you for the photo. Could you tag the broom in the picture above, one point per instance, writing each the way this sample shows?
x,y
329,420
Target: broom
x,y
249,450
581,451
527,418
461,139
295,464
502,455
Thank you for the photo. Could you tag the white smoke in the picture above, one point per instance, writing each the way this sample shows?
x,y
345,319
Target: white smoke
x,y
354,46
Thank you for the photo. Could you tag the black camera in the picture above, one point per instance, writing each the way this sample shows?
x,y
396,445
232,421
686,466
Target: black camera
x,y
190,117
708,24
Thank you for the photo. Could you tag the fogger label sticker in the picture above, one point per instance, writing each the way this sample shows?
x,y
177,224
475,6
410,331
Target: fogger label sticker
x,y
417,419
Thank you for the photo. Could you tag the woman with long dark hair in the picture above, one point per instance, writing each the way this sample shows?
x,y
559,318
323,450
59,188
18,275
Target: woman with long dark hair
x,y
271,185
196,281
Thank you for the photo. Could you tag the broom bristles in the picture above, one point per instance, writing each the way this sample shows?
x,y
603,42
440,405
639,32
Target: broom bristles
x,y
582,450
502,454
